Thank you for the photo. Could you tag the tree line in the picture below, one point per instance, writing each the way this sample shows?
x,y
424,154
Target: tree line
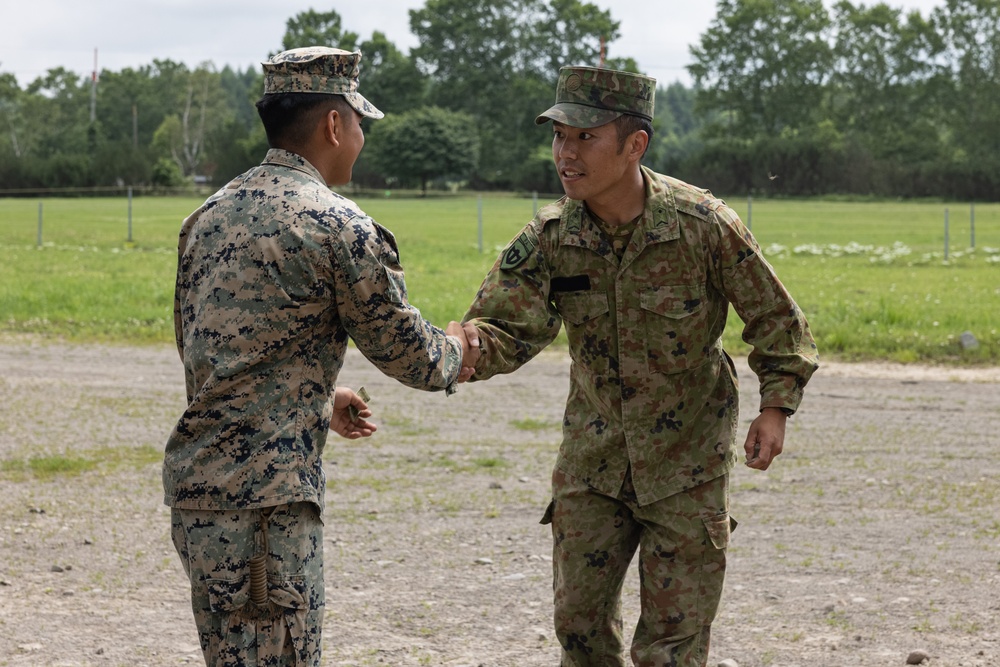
x,y
789,98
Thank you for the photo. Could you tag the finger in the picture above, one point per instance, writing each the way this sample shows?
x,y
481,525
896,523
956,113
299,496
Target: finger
x,y
472,333
354,434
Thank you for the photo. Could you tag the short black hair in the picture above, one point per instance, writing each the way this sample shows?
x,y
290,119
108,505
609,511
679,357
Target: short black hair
x,y
627,124
290,118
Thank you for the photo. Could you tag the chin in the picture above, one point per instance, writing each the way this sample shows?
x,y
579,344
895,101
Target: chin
x,y
574,192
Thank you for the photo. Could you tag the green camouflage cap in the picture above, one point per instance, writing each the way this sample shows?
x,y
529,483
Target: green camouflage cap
x,y
592,96
318,69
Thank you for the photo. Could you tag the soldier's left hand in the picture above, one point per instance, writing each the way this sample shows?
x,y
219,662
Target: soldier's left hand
x,y
341,421
765,439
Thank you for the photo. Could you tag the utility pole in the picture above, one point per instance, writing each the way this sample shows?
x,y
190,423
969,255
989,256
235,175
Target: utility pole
x,y
93,91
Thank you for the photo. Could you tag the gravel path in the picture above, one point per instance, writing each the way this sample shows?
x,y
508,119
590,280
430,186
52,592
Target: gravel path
x,y
876,533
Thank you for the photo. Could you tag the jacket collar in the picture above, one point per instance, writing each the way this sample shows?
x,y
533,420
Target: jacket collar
x,y
659,223
283,158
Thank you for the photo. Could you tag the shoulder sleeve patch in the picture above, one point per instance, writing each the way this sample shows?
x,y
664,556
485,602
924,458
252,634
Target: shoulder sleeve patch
x,y
518,251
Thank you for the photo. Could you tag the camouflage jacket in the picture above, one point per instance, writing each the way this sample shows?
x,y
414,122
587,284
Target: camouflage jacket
x,y
274,273
651,388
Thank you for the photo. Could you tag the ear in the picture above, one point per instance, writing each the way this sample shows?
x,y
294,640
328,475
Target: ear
x,y
332,127
638,144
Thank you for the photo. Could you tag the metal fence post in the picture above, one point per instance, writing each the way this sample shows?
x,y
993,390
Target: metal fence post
x,y
39,224
946,235
480,207
972,225
130,214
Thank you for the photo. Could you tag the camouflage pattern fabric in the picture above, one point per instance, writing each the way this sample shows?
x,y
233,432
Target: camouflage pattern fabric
x,y
591,96
275,273
318,69
651,388
682,542
216,547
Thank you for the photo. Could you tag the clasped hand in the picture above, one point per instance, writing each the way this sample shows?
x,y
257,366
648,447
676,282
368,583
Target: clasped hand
x,y
469,335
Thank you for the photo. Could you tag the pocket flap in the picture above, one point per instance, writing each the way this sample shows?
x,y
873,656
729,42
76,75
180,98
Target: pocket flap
x,y
228,595
675,302
288,593
718,528
580,307
547,517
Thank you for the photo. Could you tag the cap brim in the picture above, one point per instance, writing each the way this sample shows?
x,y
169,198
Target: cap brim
x,y
363,106
577,115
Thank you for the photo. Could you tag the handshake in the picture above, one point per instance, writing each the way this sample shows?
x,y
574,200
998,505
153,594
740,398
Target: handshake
x,y
350,409
471,349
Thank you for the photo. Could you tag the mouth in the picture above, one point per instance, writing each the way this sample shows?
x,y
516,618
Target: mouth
x,y
570,174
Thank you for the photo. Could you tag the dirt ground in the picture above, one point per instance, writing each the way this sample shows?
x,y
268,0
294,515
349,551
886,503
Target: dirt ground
x,y
875,534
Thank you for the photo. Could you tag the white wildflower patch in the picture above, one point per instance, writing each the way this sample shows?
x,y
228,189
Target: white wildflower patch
x,y
897,253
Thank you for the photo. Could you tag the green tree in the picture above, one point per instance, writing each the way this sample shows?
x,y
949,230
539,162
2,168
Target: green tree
x,y
198,109
312,28
880,86
571,32
390,79
498,61
237,142
676,129
11,120
762,65
58,108
971,31
425,144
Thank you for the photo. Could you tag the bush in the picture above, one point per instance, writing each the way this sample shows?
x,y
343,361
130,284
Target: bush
x,y
167,174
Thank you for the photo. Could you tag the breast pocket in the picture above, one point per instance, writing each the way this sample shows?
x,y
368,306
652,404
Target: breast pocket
x,y
585,315
675,327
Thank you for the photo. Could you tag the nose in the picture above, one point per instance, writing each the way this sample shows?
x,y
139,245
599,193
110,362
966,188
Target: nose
x,y
564,148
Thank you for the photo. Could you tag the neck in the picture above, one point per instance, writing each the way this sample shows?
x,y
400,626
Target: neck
x,y
622,205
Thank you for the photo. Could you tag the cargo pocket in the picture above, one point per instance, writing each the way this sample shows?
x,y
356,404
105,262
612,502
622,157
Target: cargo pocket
x,y
267,629
719,527
713,569
289,597
226,596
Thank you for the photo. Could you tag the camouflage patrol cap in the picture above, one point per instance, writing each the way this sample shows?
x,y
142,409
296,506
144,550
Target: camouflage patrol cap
x,y
592,96
318,69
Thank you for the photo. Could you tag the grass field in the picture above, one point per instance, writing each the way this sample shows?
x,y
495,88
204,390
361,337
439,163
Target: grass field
x,y
872,277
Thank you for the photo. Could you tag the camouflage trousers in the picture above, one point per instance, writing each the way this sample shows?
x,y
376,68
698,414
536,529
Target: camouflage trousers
x,y
256,583
682,543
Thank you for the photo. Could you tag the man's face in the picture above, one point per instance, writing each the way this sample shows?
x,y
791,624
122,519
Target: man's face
x,y
590,164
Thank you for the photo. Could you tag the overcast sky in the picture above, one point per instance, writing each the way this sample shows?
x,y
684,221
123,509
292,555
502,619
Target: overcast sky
x,y
42,34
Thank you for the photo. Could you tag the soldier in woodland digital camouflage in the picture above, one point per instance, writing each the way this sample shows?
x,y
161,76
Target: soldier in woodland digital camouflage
x,y
275,273
641,269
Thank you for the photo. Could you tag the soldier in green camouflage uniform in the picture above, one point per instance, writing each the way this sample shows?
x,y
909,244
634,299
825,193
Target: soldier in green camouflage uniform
x,y
275,273
641,269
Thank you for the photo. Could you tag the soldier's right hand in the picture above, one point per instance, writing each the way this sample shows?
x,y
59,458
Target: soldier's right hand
x,y
469,335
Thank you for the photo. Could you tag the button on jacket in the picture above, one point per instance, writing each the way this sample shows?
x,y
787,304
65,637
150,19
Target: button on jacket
x,y
651,389
275,273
